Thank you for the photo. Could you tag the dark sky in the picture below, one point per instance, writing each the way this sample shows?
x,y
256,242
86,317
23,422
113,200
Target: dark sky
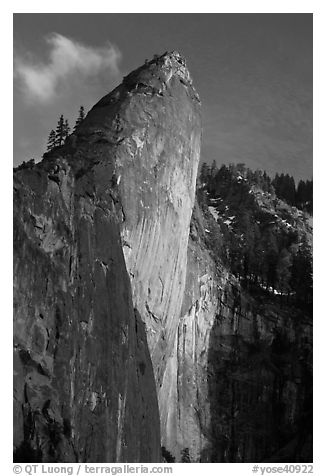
x,y
253,73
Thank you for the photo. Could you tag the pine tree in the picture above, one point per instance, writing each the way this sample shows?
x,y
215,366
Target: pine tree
x,y
204,173
80,118
284,186
309,196
213,169
66,129
276,184
291,191
300,194
51,140
60,131
302,274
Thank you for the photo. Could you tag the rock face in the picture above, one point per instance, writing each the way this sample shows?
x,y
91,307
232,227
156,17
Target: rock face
x,y
239,381
101,233
84,387
152,127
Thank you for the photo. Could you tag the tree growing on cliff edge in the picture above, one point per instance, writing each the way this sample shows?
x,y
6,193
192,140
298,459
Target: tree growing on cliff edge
x,y
80,118
60,131
304,195
57,137
51,140
66,129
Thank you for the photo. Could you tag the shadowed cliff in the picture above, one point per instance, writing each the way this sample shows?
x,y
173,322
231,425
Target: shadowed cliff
x,y
239,380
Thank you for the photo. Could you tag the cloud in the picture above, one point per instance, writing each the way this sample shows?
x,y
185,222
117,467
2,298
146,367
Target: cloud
x,y
68,60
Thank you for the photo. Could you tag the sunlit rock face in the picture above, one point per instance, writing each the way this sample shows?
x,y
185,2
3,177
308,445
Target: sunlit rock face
x,y
84,387
152,127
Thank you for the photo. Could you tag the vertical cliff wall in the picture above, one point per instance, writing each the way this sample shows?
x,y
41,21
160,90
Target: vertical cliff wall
x,y
239,381
101,234
151,126
84,387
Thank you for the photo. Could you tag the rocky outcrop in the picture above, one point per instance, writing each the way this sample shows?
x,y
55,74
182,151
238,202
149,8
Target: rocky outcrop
x,y
84,387
155,139
239,381
101,233
151,127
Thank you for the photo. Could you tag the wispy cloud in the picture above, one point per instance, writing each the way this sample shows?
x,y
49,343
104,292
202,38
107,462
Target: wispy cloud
x,y
68,60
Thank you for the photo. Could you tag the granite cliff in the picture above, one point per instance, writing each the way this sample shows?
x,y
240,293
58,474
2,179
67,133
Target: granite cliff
x,y
100,230
130,330
83,380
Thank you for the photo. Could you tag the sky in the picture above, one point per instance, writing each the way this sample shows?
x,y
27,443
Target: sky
x,y
253,73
